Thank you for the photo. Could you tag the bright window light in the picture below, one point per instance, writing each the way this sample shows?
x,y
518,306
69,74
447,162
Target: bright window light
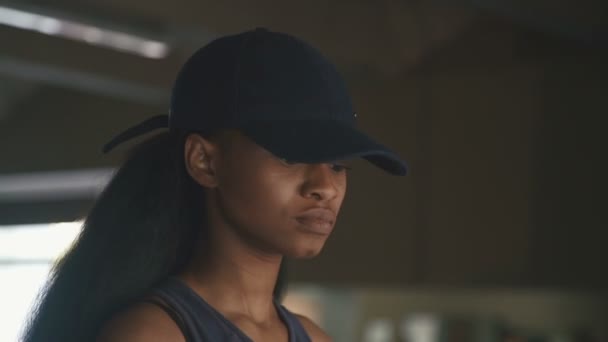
x,y
38,243
27,253
82,32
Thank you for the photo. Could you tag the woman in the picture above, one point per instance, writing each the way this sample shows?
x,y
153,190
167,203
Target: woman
x,y
187,240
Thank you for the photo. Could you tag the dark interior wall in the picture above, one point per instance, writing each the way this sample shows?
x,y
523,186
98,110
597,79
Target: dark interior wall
x,y
479,159
65,129
570,168
507,162
462,216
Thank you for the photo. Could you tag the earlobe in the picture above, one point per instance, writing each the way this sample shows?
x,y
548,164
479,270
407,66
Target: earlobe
x,y
198,159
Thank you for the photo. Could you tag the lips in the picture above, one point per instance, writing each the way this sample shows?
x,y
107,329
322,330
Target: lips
x,y
317,221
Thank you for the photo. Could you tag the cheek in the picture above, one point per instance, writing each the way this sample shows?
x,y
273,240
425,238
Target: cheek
x,y
258,200
340,185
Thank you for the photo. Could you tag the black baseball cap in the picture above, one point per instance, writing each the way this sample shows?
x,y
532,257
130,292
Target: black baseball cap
x,y
277,90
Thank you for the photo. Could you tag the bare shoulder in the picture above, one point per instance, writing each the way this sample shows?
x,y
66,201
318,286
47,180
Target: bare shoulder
x,y
141,322
316,334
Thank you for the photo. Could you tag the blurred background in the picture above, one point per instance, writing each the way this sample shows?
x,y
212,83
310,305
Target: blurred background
x,y
499,232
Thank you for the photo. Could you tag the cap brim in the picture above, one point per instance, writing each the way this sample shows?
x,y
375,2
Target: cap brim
x,y
318,141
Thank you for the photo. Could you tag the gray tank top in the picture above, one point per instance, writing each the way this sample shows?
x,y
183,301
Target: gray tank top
x,y
200,322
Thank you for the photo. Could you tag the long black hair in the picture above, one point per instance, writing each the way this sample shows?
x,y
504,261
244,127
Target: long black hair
x,y
141,229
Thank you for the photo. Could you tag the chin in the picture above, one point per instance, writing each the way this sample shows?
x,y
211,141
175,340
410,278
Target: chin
x,y
308,255
305,252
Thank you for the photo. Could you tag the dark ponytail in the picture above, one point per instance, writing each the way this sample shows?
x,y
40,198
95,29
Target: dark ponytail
x,y
141,229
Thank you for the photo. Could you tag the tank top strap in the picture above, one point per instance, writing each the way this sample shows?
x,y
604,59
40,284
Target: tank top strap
x,y
199,321
297,333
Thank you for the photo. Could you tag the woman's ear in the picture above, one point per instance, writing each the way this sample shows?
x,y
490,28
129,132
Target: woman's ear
x,y
199,156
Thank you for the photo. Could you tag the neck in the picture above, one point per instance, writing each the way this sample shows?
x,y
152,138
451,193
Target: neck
x,y
233,277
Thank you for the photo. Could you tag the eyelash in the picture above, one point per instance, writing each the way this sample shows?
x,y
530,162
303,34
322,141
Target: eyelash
x,y
341,168
286,162
334,167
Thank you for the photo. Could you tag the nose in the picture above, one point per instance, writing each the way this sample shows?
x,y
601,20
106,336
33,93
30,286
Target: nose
x,y
321,183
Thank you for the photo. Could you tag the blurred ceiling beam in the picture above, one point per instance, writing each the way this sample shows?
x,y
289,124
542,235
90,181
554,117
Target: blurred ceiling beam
x,y
384,36
53,60
82,81
130,25
50,60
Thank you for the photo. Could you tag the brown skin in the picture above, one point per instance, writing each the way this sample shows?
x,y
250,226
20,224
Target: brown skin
x,y
260,209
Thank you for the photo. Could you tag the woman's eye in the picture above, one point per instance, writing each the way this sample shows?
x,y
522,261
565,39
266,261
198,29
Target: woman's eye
x,y
339,167
286,162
